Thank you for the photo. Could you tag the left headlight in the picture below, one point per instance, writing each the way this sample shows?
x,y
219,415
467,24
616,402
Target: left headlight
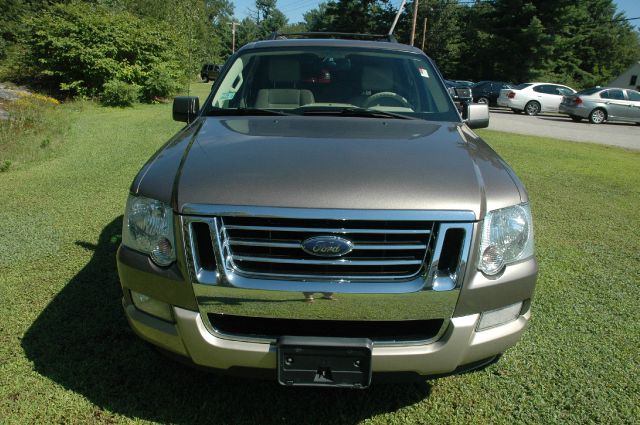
x,y
148,228
507,237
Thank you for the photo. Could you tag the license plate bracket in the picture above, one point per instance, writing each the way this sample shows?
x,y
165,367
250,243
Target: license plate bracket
x,y
324,362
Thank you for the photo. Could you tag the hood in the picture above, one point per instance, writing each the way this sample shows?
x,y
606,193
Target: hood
x,y
343,163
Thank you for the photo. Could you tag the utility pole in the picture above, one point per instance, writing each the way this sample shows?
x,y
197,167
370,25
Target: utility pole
x,y
233,36
415,18
424,33
395,21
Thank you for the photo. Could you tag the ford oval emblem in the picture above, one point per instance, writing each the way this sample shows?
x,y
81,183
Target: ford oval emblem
x,y
327,246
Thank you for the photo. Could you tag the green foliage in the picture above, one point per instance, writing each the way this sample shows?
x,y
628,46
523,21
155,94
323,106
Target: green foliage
x,y
118,93
581,43
76,48
161,82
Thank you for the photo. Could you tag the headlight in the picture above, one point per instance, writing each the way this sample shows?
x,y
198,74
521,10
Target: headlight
x,y
148,228
507,237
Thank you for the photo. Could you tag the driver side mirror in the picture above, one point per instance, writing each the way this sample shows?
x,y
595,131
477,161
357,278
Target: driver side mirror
x,y
477,116
185,108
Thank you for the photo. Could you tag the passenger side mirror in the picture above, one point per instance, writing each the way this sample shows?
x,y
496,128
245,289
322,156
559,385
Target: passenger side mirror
x,y
477,116
185,108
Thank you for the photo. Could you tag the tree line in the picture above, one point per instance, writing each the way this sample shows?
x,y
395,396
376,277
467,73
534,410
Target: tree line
x,y
149,48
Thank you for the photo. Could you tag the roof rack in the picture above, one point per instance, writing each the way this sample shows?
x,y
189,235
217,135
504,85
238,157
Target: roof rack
x,y
345,35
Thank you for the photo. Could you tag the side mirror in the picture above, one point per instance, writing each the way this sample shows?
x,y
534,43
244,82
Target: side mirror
x,y
477,116
185,108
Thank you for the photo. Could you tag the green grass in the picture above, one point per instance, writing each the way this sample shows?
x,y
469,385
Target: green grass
x,y
68,356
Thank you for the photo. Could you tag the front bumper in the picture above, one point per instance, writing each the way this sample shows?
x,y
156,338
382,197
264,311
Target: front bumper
x,y
461,344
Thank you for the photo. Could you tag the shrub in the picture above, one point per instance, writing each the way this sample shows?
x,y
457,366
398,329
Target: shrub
x,y
119,93
78,47
160,82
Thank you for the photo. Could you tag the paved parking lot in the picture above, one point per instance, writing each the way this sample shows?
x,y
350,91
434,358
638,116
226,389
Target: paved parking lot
x,y
561,127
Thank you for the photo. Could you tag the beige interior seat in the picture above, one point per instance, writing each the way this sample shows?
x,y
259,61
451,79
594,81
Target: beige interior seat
x,y
374,79
283,72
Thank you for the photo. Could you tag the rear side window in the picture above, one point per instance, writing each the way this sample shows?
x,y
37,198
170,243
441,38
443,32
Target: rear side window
x,y
545,88
521,86
633,95
615,94
564,91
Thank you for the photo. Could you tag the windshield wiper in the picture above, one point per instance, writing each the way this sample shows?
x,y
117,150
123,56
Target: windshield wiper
x,y
353,112
244,111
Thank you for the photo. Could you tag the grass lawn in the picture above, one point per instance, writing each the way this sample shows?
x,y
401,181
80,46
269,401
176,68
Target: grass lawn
x,y
68,356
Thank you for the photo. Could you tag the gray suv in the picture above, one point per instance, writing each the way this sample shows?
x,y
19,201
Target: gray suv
x,y
328,216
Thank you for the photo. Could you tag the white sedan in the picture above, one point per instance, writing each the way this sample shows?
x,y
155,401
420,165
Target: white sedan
x,y
533,98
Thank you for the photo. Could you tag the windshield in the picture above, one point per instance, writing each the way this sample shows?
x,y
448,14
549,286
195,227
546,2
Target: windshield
x,y
323,80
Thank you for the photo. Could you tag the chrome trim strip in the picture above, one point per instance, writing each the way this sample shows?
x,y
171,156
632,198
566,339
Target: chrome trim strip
x,y
326,262
387,247
326,213
327,230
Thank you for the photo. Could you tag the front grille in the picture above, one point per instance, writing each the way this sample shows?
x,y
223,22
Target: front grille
x,y
376,330
272,247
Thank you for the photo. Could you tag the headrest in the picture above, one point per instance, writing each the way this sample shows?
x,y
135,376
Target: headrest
x,y
377,78
282,70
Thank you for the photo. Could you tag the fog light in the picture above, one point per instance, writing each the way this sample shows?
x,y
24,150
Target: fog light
x,y
499,316
152,306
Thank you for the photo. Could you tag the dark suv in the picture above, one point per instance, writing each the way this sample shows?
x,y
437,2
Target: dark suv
x,y
487,92
327,215
210,72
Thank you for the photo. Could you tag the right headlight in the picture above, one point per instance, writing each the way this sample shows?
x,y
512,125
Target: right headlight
x,y
507,237
148,228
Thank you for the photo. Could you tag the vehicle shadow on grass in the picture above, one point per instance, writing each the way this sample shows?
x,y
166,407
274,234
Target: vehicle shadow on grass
x,y
82,342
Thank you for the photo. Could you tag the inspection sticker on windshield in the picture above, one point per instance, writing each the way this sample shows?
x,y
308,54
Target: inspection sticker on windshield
x,y
227,96
423,72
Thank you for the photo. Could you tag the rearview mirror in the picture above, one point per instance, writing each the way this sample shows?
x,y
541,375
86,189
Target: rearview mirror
x,y
185,108
477,116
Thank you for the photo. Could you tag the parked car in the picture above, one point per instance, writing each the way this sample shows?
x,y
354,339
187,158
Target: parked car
x,y
322,231
460,93
210,72
600,104
533,98
487,92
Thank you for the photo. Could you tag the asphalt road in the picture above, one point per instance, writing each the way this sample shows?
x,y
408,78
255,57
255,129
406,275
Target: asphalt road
x,y
561,127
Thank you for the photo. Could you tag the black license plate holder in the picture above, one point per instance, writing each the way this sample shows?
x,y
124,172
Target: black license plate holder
x,y
324,362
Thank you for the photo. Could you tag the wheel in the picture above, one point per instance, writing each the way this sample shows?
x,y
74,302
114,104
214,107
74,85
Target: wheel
x,y
532,108
597,116
576,118
516,111
483,100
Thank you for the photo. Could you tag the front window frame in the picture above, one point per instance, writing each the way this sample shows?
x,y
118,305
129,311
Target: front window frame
x,y
450,115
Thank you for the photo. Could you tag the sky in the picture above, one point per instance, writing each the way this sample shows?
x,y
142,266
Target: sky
x,y
294,9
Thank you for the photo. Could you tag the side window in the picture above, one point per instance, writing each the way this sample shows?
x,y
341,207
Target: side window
x,y
616,94
540,89
604,94
633,95
564,91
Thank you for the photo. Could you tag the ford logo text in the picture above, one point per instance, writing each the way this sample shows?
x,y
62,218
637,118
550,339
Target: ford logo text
x,y
327,246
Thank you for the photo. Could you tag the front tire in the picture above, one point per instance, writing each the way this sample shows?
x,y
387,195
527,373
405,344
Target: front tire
x,y
532,108
597,116
483,100
576,118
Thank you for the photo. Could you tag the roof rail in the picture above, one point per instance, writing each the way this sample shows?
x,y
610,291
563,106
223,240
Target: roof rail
x,y
345,35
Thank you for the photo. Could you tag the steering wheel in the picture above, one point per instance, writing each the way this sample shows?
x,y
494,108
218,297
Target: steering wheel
x,y
371,100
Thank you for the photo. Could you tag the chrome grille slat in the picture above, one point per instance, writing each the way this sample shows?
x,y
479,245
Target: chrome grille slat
x,y
355,246
327,230
327,262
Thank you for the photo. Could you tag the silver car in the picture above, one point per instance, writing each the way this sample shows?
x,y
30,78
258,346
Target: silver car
x,y
600,104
